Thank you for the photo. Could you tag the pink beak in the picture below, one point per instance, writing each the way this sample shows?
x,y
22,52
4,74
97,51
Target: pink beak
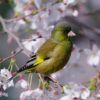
x,y
71,34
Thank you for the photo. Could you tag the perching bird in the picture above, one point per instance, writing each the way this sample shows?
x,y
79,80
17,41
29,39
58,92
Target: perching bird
x,y
53,54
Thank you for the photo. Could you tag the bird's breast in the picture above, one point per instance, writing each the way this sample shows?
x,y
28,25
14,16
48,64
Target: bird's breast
x,y
60,57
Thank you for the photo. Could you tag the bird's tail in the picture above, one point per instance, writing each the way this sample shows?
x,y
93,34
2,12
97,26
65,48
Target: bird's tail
x,y
28,65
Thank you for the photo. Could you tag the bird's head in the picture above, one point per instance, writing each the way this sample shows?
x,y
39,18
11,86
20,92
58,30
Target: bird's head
x,y
61,31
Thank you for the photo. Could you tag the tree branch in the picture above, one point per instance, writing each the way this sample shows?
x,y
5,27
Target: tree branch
x,y
14,36
12,55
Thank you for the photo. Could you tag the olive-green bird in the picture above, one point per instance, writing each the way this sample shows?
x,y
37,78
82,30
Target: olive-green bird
x,y
53,54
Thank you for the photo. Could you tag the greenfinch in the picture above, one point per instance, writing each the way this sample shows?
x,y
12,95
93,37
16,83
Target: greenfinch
x,y
53,54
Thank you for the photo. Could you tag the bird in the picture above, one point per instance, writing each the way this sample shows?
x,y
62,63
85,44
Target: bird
x,y
53,55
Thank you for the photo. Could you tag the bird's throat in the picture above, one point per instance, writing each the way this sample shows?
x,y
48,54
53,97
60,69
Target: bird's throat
x,y
58,37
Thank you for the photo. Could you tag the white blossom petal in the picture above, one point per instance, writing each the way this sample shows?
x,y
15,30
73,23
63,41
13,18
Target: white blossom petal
x,y
4,76
85,94
31,94
75,13
22,84
37,94
68,97
93,55
25,94
33,26
93,60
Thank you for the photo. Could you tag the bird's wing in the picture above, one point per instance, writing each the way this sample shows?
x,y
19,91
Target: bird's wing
x,y
46,49
42,54
37,58
31,63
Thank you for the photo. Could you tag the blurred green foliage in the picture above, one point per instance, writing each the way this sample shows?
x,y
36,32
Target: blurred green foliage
x,y
6,6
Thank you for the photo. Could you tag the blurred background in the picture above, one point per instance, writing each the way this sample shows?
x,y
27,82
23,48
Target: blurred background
x,y
32,21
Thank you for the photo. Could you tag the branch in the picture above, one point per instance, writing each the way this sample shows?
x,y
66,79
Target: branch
x,y
32,13
9,32
14,36
24,16
12,55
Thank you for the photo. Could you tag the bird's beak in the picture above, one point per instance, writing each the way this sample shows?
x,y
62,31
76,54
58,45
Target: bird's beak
x,y
71,34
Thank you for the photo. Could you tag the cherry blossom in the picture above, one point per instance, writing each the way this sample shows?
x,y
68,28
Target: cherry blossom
x,y
4,76
93,58
31,94
78,91
22,84
68,97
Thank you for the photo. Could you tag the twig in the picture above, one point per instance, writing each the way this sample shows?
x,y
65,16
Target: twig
x,y
10,33
24,16
32,13
14,36
12,55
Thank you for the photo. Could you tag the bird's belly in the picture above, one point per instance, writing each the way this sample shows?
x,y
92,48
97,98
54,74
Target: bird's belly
x,y
52,65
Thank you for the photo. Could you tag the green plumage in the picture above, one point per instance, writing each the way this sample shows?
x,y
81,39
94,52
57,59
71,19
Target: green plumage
x,y
53,54
58,56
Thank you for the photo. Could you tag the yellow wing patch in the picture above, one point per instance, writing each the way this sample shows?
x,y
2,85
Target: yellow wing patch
x,y
38,61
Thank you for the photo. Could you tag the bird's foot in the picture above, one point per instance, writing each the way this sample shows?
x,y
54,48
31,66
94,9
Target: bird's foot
x,y
43,84
49,78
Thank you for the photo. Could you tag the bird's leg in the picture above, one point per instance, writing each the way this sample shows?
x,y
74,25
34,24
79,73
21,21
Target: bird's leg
x,y
50,79
54,81
30,77
41,81
43,84
41,78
